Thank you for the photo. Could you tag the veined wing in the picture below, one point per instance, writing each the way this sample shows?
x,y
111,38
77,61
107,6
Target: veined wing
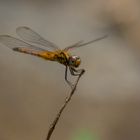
x,y
29,35
80,44
13,43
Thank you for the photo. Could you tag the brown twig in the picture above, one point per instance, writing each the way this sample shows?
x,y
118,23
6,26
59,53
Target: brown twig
x,y
55,121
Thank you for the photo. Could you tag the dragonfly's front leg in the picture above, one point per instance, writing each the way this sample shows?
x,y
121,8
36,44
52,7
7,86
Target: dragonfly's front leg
x,y
73,72
66,77
76,72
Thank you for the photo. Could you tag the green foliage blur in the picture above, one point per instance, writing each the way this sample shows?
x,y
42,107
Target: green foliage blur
x,y
85,135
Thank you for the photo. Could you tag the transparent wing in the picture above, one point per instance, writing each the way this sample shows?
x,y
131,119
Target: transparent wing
x,y
80,44
12,43
29,35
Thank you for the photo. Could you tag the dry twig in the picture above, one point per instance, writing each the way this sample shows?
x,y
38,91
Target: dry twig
x,y
52,126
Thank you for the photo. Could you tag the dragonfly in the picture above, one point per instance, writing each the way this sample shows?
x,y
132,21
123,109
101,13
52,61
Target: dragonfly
x,y
34,44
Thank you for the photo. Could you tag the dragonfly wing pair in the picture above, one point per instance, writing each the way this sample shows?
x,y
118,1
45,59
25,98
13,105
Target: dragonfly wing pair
x,y
81,43
31,36
28,35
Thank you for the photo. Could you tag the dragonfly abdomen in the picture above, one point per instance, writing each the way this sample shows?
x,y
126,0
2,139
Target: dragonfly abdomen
x,y
27,51
46,55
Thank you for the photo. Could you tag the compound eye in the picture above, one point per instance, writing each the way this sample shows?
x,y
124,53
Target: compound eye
x,y
73,60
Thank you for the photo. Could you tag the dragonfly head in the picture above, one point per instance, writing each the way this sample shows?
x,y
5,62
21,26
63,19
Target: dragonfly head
x,y
74,61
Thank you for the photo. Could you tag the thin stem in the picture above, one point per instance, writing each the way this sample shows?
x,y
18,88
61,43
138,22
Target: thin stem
x,y
55,121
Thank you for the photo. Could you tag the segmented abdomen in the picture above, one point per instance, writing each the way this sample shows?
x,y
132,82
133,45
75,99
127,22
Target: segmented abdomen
x,y
44,54
59,56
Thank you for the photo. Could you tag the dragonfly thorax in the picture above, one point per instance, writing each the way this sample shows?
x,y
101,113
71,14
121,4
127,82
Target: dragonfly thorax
x,y
74,61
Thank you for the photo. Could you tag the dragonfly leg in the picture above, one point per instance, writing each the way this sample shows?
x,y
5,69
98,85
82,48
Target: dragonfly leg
x,y
76,72
66,78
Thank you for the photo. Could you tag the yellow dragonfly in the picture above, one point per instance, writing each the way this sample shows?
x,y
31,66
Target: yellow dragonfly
x,y
36,45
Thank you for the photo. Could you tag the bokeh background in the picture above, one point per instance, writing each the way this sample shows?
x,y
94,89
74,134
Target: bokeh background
x,y
106,105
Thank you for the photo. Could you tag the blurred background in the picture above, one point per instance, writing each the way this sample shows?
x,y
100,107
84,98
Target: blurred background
x,y
106,105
